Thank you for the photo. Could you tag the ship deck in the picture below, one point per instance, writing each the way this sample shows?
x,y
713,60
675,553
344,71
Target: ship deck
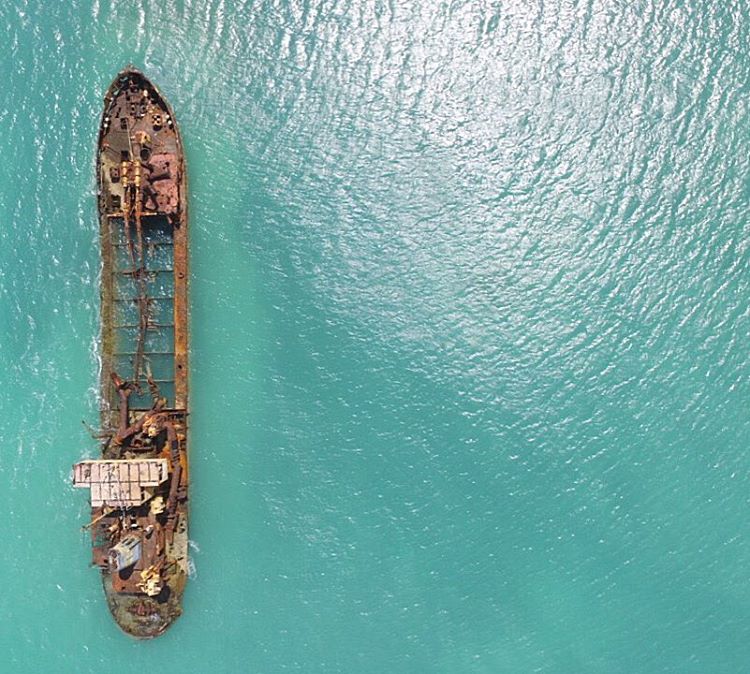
x,y
144,289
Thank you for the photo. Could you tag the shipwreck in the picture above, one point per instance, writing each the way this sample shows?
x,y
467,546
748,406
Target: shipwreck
x,y
139,484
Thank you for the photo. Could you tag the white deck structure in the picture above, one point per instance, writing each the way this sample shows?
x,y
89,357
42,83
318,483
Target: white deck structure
x,y
121,483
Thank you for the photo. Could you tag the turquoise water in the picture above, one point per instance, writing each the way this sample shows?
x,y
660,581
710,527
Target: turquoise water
x,y
470,328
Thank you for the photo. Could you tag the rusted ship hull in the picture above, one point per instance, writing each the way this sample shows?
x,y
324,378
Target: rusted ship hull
x,y
139,486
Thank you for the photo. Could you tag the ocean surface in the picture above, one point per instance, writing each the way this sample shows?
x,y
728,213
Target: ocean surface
x,y
470,326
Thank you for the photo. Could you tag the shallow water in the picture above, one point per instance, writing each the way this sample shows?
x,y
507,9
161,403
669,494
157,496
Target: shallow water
x,y
469,325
